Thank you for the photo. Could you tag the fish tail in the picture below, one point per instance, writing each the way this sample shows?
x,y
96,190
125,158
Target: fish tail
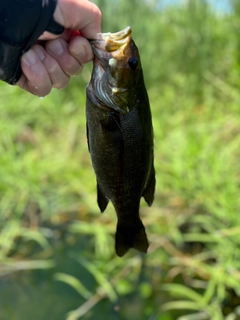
x,y
130,236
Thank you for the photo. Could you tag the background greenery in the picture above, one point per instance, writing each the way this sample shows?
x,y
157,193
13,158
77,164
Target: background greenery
x,y
57,257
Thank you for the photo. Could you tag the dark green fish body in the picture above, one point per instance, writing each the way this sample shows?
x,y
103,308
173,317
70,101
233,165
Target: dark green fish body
x,y
120,135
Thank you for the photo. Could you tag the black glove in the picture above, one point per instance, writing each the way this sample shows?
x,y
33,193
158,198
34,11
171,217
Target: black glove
x,y
21,24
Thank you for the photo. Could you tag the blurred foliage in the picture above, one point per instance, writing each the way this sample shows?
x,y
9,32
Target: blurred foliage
x,y
57,251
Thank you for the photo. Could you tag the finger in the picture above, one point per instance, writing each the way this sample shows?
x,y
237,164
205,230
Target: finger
x,y
36,78
50,36
23,83
79,15
59,79
58,49
80,48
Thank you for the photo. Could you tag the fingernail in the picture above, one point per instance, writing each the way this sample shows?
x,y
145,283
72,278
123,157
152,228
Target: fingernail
x,y
79,71
55,47
40,53
30,57
80,51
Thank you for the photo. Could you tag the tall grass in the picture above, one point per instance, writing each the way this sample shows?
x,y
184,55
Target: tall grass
x,y
48,213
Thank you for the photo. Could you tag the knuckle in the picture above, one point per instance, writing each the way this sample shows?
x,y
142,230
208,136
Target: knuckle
x,y
53,67
97,14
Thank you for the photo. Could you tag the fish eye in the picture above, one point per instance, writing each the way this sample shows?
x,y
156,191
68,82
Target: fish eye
x,y
133,63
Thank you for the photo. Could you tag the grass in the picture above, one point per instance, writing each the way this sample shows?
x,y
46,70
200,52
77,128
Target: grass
x,y
55,246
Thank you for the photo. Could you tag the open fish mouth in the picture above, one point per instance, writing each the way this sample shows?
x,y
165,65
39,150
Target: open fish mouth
x,y
117,36
116,40
110,42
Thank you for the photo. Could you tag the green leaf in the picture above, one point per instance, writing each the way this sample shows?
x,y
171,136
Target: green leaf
x,y
182,290
74,283
37,236
181,304
100,277
13,266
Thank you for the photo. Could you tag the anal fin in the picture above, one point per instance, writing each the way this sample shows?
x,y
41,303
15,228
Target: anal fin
x,y
148,193
101,199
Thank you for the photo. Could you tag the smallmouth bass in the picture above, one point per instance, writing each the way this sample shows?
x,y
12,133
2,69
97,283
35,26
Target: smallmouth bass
x,y
120,135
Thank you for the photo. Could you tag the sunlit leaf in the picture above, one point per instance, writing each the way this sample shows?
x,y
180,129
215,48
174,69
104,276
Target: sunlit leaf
x,y
100,277
181,290
181,304
74,283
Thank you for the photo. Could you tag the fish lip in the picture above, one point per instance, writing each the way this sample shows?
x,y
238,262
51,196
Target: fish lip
x,y
117,36
110,42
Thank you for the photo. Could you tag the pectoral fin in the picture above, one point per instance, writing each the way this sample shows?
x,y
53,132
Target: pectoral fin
x,y
101,199
148,193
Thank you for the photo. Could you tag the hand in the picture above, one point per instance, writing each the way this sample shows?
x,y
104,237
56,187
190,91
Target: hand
x,y
51,63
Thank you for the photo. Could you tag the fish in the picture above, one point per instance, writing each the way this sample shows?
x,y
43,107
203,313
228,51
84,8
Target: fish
x,y
120,135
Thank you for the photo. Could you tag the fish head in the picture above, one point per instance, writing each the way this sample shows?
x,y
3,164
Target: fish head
x,y
117,70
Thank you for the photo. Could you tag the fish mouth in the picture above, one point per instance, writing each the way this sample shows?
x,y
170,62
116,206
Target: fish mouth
x,y
117,36
115,41
111,41
107,43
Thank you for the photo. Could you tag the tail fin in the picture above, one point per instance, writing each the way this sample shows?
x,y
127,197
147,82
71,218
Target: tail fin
x,y
130,236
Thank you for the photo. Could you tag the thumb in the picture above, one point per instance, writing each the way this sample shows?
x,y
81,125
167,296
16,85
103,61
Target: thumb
x,y
81,15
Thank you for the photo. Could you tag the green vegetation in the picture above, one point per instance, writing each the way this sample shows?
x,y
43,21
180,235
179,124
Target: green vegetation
x,y
57,257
